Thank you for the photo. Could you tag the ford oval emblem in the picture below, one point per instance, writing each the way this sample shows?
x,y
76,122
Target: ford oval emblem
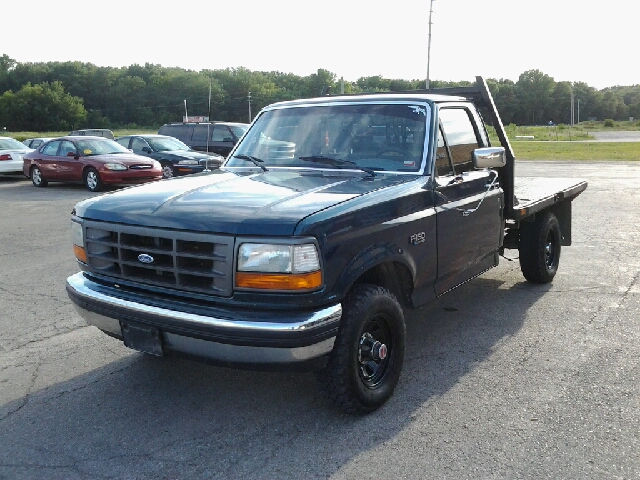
x,y
144,258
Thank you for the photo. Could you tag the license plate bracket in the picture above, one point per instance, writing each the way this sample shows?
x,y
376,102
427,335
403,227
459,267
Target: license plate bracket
x,y
144,338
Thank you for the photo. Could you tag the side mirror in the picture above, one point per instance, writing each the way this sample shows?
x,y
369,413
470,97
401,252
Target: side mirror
x,y
489,157
71,154
146,149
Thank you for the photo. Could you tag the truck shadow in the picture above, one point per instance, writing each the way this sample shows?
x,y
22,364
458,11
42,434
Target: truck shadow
x,y
143,417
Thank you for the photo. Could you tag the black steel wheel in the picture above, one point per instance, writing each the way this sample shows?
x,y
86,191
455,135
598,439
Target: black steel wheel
x,y
365,364
539,247
92,180
36,177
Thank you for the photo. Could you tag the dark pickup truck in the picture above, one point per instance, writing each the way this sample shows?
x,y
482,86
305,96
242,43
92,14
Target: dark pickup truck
x,y
329,219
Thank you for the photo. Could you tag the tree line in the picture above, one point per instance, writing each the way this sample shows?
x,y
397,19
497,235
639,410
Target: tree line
x,y
58,96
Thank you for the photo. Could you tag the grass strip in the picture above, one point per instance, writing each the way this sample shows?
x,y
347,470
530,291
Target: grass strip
x,y
579,151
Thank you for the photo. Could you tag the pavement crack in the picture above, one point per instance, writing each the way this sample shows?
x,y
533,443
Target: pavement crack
x,y
25,399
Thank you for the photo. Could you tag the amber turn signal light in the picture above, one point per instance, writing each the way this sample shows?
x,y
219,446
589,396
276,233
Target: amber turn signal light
x,y
80,253
274,281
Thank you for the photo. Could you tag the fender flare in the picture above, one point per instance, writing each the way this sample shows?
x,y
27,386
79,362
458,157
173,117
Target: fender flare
x,y
372,257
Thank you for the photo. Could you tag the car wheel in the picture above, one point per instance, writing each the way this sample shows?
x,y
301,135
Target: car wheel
x,y
167,170
539,248
36,177
92,180
364,366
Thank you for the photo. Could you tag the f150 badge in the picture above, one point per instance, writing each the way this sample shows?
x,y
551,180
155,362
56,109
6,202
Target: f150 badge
x,y
416,238
144,258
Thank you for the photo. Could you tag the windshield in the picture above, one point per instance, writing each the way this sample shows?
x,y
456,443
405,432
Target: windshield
x,y
166,144
10,144
88,147
382,137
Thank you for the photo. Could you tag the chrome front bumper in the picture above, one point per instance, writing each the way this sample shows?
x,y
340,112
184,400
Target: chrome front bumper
x,y
226,336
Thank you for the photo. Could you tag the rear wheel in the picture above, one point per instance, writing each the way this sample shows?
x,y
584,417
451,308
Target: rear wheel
x,y
539,247
364,367
36,177
92,180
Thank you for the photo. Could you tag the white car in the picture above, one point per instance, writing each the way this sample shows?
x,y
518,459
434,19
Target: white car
x,y
11,153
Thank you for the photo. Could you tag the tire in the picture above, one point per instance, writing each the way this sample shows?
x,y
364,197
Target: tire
x,y
167,170
36,177
92,180
356,379
539,247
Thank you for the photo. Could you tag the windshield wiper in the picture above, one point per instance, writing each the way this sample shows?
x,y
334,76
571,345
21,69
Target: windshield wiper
x,y
336,162
255,160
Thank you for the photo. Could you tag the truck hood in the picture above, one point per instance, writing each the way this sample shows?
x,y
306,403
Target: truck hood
x,y
238,203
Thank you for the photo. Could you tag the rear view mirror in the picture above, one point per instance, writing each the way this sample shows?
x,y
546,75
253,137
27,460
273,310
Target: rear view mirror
x,y
489,157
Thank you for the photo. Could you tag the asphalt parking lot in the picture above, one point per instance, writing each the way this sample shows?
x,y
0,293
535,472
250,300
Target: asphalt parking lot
x,y
502,379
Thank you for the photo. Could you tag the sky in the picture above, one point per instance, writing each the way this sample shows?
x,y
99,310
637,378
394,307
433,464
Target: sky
x,y
578,41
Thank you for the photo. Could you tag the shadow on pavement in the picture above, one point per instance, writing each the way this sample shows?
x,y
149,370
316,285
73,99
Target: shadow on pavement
x,y
143,417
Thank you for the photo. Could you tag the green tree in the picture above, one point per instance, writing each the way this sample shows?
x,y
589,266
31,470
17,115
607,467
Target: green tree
x,y
534,91
41,108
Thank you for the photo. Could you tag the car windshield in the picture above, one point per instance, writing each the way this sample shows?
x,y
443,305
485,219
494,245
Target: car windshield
x,y
381,137
10,144
96,146
166,144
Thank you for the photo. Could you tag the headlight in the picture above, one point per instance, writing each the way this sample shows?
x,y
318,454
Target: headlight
x,y
77,238
278,267
187,162
114,166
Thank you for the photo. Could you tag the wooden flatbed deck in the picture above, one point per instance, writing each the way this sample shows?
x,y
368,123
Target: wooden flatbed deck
x,y
536,193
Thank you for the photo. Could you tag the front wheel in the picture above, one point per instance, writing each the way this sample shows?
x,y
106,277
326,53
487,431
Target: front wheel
x,y
92,180
539,248
167,170
365,364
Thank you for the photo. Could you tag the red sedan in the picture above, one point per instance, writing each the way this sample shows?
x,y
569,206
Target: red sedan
x,y
94,161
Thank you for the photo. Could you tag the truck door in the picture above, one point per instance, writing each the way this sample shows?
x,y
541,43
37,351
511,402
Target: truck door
x,y
468,237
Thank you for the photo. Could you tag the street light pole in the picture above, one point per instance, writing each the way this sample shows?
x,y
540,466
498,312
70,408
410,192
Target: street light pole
x,y
429,44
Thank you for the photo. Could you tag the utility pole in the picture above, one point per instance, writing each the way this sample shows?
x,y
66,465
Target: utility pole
x,y
186,115
429,44
578,111
249,97
572,106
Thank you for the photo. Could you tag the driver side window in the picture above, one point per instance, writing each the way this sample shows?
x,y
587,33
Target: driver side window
x,y
444,166
460,136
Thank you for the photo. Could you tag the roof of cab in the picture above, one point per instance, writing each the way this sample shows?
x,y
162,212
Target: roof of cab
x,y
371,98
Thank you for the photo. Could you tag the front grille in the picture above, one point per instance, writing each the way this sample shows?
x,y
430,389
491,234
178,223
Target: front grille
x,y
140,167
188,261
